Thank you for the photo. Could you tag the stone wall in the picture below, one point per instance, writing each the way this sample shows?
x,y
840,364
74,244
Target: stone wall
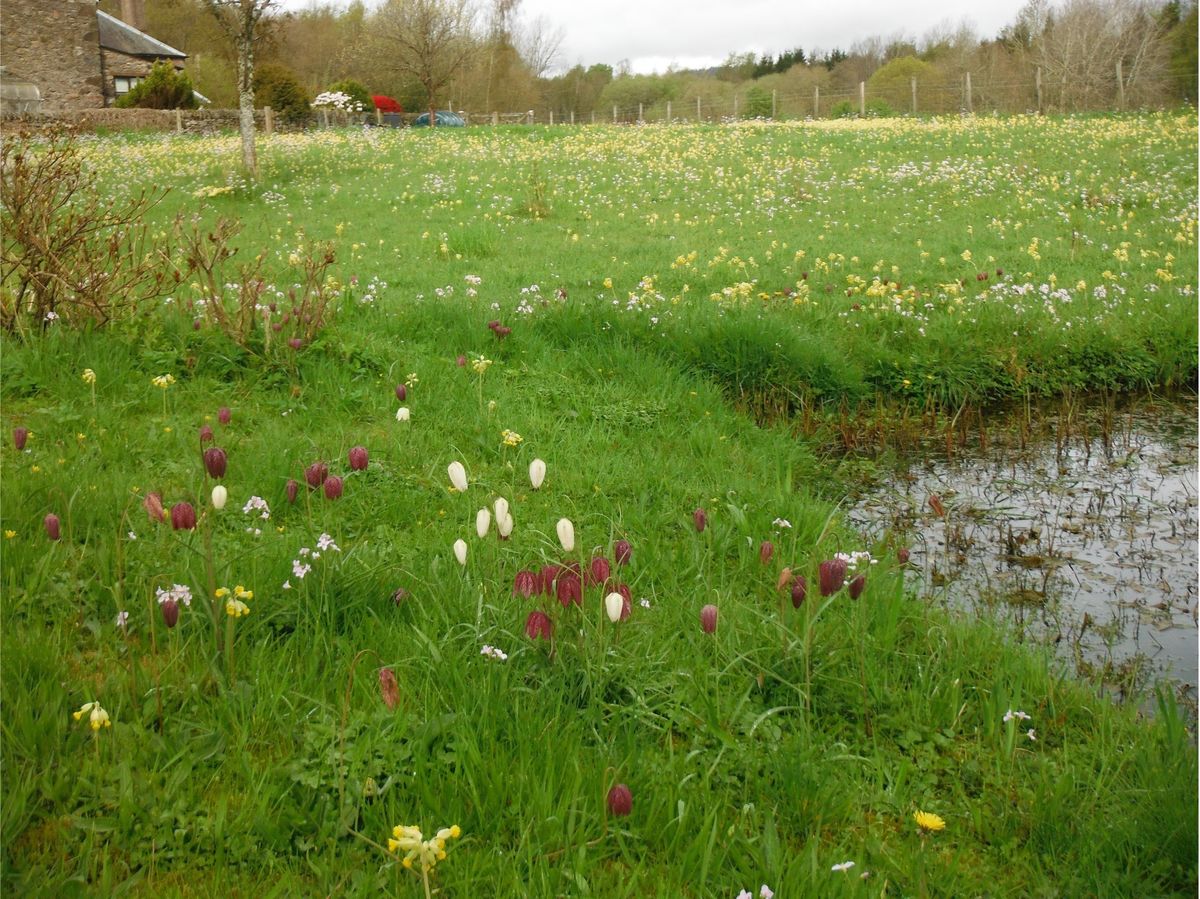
x,y
188,121
56,45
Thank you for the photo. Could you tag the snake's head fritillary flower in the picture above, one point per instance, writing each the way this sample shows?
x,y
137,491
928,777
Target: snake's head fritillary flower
x,y
566,534
568,588
292,490
170,611
215,462
700,519
461,361
219,497
708,619
224,416
501,507
389,688
206,434
20,436
785,578
598,571
832,575
538,625
183,517
483,521
765,551
622,552
537,473
316,474
358,458
494,324
295,343
53,531
620,801
333,487
856,586
902,555
614,603
403,414
504,526
460,551
799,591
154,507
402,392
458,476
524,584
547,577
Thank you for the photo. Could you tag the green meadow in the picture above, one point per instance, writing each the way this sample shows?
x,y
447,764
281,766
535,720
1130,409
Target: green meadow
x,y
259,699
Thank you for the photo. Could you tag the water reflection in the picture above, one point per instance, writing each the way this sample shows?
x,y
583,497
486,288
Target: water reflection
x,y
1081,528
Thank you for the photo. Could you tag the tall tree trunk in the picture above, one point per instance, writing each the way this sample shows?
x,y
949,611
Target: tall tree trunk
x,y
246,105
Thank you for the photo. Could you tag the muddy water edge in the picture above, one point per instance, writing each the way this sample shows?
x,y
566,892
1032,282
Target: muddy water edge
x,y
1075,523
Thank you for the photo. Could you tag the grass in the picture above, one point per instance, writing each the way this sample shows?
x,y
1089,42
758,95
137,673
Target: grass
x,y
261,759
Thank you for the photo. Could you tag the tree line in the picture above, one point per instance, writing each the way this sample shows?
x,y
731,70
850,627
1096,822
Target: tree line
x,y
454,54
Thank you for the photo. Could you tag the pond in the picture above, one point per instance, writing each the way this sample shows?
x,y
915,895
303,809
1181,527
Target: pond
x,y
1077,526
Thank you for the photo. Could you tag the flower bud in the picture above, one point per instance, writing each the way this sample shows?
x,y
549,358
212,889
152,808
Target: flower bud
x,y
215,461
620,801
154,507
170,612
902,555
295,343
460,551
566,534
832,575
219,497
700,519
504,526
402,392
316,474
224,416
358,458
52,526
537,473
501,507
292,490
785,578
183,517
799,591
765,551
538,625
206,434
614,603
389,688
20,435
458,476
333,487
622,552
461,361
856,586
483,520
708,619
402,414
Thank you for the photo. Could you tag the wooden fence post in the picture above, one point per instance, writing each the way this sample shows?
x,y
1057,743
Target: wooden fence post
x,y
572,117
268,120
178,122
1037,86
697,110
1120,87
969,98
816,102
668,112
495,118
639,118
862,98
773,106
735,105
914,95
552,117
614,113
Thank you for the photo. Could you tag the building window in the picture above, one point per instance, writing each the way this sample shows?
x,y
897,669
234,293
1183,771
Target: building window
x,y
123,85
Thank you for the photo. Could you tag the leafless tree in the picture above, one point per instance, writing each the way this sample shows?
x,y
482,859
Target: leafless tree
x,y
242,21
539,44
429,40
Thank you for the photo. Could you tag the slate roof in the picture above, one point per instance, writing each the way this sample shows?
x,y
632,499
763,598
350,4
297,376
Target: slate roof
x,y
116,35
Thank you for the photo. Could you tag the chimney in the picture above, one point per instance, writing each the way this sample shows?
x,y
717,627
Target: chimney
x,y
133,12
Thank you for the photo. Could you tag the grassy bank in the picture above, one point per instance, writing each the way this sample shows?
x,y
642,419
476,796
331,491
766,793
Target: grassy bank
x,y
260,754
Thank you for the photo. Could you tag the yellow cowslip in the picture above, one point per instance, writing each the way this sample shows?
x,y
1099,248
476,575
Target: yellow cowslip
x,y
928,821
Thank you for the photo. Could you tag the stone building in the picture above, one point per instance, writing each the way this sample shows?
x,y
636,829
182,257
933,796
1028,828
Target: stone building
x,y
75,55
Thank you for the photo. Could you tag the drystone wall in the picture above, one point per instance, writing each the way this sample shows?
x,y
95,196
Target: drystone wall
x,y
55,44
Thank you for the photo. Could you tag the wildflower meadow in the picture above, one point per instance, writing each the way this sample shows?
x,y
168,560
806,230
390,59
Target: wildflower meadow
x,y
457,512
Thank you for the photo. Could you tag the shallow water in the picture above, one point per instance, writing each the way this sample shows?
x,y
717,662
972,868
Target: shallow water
x,y
1080,528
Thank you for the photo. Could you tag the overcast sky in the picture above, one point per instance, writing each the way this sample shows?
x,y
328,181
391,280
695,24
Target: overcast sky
x,y
653,34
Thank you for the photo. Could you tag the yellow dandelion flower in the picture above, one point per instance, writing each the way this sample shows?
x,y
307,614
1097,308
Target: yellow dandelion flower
x,y
929,822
